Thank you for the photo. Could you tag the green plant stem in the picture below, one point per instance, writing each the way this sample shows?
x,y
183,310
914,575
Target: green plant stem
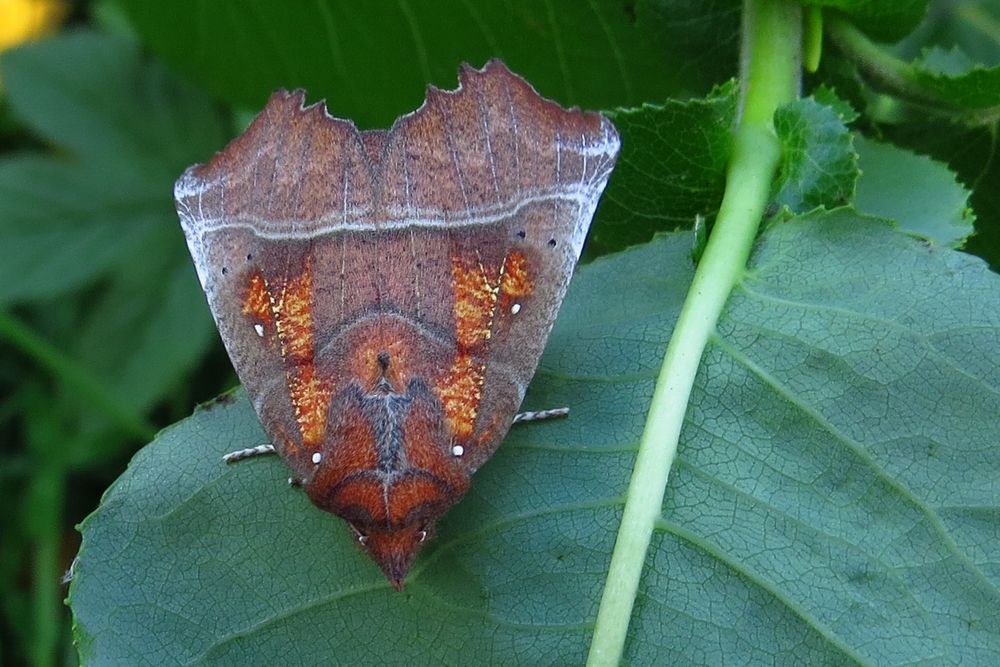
x,y
47,489
812,42
72,375
896,76
892,72
770,77
977,18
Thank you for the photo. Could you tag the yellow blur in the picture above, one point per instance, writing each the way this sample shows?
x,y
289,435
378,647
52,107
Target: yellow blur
x,y
23,20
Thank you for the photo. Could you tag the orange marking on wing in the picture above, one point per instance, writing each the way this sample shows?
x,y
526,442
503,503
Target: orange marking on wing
x,y
475,301
293,315
311,399
460,390
289,306
514,281
257,300
479,293
290,444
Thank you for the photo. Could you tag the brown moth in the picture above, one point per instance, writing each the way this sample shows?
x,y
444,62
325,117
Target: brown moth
x,y
385,295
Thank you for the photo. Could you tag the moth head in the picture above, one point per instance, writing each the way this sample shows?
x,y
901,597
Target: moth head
x,y
394,548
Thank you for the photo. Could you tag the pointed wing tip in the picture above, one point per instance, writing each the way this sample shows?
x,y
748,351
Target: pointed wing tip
x,y
189,185
284,108
610,137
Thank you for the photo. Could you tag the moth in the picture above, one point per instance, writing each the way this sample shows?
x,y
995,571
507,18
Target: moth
x,y
385,295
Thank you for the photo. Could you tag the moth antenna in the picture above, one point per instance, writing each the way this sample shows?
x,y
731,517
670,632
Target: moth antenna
x,y
240,454
538,415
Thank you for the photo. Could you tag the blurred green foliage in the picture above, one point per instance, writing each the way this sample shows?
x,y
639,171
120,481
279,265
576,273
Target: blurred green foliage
x,y
105,334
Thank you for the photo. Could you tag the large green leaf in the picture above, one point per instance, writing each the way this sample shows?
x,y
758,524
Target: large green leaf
x,y
372,60
835,500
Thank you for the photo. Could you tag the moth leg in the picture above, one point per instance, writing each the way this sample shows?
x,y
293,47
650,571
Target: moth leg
x,y
239,455
539,414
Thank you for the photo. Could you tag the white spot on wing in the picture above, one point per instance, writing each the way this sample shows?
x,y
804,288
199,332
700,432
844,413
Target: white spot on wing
x,y
259,328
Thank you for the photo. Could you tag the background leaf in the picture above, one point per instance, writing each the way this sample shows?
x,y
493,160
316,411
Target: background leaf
x,y
112,107
952,76
104,210
700,40
923,195
64,227
839,454
973,154
971,151
968,26
888,21
155,310
827,96
372,60
101,315
819,166
671,168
